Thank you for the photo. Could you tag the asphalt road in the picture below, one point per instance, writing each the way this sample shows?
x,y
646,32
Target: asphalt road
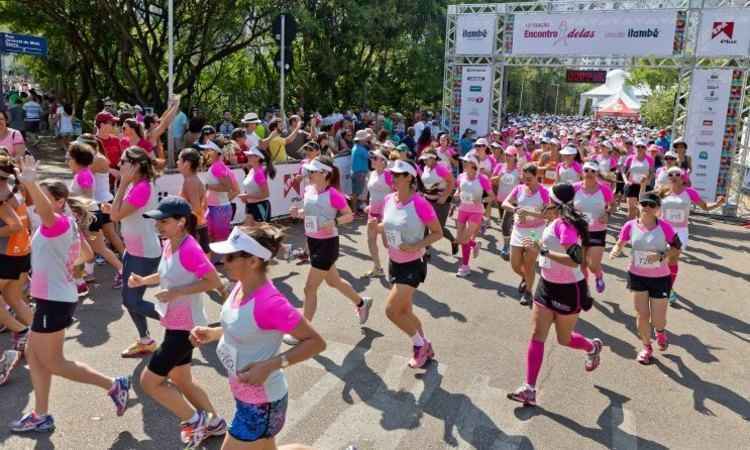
x,y
361,392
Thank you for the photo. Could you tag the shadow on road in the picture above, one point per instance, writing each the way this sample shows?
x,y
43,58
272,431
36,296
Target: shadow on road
x,y
725,322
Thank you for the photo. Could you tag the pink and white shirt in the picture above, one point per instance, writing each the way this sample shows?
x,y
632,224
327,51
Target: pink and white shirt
x,y
529,201
82,180
321,209
217,171
54,251
645,243
254,325
379,185
138,232
183,267
446,155
638,169
435,179
470,192
592,205
254,182
675,208
509,179
555,237
404,223
569,173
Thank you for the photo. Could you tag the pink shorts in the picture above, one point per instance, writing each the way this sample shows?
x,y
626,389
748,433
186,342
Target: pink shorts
x,y
376,211
471,217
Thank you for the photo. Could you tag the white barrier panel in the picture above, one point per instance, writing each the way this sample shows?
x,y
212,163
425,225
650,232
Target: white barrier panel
x,y
475,34
476,99
706,123
724,32
283,190
612,33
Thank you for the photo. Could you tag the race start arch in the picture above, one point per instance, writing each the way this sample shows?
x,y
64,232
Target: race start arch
x,y
707,41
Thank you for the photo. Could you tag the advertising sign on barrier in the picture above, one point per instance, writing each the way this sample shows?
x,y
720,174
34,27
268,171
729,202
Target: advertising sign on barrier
x,y
706,123
616,33
475,34
724,32
476,99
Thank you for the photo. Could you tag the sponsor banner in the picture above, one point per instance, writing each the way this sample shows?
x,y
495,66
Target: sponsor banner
x,y
706,125
615,33
475,34
724,32
284,191
476,99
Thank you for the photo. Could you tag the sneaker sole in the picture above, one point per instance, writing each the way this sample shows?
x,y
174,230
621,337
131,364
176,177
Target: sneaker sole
x,y
137,355
519,400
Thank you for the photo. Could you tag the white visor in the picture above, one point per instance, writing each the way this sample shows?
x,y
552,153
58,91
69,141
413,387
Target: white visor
x,y
255,152
568,151
240,242
317,166
210,145
470,159
428,156
591,165
401,166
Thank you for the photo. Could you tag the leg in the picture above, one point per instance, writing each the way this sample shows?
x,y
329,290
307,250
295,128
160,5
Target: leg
x,y
507,227
442,211
132,298
643,314
658,313
315,278
398,309
372,244
334,280
516,261
166,395
182,377
13,295
113,237
541,319
100,247
594,260
632,208
41,379
529,260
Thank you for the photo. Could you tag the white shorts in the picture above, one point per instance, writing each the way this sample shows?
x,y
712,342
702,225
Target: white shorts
x,y
683,234
519,234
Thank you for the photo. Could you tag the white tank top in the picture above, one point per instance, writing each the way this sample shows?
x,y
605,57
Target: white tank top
x,y
102,193
138,232
377,187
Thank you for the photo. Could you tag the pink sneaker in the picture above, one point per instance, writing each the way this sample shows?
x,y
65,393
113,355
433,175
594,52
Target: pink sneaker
x,y
421,355
593,358
644,356
524,394
661,340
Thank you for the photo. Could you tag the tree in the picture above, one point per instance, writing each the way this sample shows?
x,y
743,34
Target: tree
x,y
658,111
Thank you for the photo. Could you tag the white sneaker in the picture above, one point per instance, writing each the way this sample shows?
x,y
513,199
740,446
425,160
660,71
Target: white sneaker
x,y
463,271
363,312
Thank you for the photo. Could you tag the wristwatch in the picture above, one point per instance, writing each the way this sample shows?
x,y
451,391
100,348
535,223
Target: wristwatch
x,y
544,251
284,362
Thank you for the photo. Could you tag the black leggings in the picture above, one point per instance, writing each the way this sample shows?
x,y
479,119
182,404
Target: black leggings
x,y
507,225
442,212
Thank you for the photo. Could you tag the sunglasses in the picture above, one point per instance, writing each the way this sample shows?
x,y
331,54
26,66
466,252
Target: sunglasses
x,y
400,174
648,204
314,171
674,175
589,170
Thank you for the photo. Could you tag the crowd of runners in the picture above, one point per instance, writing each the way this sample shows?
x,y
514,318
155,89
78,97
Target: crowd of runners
x,y
553,183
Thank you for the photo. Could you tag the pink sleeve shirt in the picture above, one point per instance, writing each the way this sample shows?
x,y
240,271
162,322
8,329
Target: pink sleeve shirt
x,y
139,194
259,176
338,200
85,178
442,171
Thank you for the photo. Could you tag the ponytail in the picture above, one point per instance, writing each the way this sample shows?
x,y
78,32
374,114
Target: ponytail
x,y
570,215
270,169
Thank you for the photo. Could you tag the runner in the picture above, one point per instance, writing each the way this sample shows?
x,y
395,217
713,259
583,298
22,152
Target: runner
x,y
684,161
594,201
653,242
194,191
253,320
10,138
379,184
637,171
471,186
526,201
221,188
569,170
409,227
184,274
506,176
255,192
662,176
323,202
135,195
562,292
438,182
606,159
56,248
675,209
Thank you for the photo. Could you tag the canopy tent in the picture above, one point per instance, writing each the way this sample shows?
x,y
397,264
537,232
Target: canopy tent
x,y
616,83
620,104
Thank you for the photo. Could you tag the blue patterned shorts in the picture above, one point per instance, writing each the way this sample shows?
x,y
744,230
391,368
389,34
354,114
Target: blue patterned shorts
x,y
255,422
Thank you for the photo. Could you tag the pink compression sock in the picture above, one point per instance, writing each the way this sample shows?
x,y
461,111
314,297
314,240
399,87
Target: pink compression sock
x,y
578,342
534,356
465,253
673,269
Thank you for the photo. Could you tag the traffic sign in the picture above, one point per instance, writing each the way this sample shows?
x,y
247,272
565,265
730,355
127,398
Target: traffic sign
x,y
290,29
23,44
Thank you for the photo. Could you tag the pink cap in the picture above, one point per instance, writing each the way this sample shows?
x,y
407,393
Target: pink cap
x,y
511,150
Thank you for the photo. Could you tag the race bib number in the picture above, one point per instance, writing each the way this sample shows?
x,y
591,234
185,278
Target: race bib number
x,y
550,174
642,259
228,357
675,215
466,197
544,262
637,177
507,179
311,224
393,237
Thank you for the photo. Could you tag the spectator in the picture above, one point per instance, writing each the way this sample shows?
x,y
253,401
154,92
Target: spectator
x,y
179,125
251,122
33,114
227,125
302,137
276,143
64,124
360,166
408,140
17,115
195,125
240,145
467,141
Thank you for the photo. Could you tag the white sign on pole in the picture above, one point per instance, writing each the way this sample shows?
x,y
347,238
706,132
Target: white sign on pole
x,y
475,34
615,33
476,99
705,126
724,32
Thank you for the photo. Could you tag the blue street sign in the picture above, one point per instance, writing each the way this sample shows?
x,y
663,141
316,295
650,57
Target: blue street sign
x,y
23,44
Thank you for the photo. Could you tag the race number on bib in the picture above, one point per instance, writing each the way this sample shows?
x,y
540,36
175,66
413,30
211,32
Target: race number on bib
x,y
550,174
642,259
507,179
466,197
675,215
393,237
311,224
228,357
544,262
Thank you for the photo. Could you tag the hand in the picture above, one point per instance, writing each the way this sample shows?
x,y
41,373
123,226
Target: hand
x,y
616,251
721,200
255,373
166,296
409,248
202,335
651,259
28,169
530,243
522,214
106,208
244,197
135,281
128,174
295,212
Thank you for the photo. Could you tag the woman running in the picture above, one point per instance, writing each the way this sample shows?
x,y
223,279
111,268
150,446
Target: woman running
x,y
653,243
594,202
562,292
637,171
675,209
221,188
437,179
471,186
379,184
253,320
255,192
324,208
135,195
184,274
506,176
606,159
410,225
661,181
447,153
569,170
56,248
526,201
194,191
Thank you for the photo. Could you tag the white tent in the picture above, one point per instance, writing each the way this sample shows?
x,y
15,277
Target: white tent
x,y
615,84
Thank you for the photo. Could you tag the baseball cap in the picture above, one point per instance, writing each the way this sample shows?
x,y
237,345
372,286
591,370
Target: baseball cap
x,y
238,241
650,196
671,155
105,116
481,141
170,206
255,152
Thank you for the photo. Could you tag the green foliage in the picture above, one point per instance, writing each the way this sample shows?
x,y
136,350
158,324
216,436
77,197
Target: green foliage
x,y
658,110
653,78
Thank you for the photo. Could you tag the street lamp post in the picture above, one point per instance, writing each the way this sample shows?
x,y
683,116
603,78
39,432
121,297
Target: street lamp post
x,y
170,82
557,94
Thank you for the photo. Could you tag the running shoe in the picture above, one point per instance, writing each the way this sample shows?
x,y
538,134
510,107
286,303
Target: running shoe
x,y
505,254
463,271
475,250
592,359
19,340
483,226
526,298
33,422
454,249
10,358
99,260
290,340
375,273
217,426
645,355
119,393
363,312
117,281
83,289
600,284
422,355
661,340
524,394
522,286
195,432
673,297
139,349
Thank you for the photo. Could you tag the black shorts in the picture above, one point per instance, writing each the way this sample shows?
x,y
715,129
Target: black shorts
x,y
632,190
619,188
563,298
657,287
260,211
175,350
203,240
100,219
11,267
323,252
598,238
52,316
410,273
